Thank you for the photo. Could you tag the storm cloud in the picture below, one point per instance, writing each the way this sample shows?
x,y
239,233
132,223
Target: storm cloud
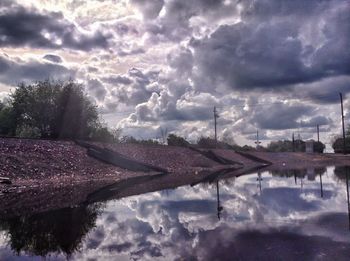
x,y
29,27
15,70
270,49
271,65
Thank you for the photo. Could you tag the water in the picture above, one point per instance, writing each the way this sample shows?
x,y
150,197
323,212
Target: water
x,y
290,215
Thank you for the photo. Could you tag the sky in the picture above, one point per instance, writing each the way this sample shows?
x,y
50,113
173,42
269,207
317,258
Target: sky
x,y
276,66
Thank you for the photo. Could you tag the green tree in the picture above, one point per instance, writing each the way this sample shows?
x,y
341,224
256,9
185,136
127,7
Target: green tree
x,y
286,145
7,124
54,110
338,145
319,147
209,143
174,140
76,116
36,106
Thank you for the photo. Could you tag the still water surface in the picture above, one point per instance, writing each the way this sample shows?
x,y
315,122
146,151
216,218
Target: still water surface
x,y
285,215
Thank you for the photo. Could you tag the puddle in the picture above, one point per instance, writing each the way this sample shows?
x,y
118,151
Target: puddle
x,y
284,215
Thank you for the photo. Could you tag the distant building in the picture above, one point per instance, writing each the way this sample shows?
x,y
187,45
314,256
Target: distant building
x,y
309,146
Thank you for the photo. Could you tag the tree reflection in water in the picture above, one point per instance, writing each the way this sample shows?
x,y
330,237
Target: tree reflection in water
x,y
343,174
53,232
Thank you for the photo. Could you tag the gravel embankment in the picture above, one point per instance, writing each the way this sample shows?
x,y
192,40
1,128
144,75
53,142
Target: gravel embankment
x,y
46,161
174,159
48,174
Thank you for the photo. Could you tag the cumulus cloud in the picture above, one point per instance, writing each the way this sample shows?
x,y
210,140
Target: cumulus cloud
x,y
53,58
150,9
280,116
14,70
134,88
270,52
167,63
29,27
96,89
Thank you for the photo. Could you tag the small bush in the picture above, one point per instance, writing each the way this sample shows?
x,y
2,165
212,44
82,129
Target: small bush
x,y
28,132
319,147
131,139
174,140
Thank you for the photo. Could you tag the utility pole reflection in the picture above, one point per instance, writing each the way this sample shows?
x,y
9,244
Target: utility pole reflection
x,y
321,185
347,193
259,178
219,207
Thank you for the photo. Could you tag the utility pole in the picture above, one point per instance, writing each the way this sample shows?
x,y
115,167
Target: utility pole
x,y
293,142
215,117
342,120
318,133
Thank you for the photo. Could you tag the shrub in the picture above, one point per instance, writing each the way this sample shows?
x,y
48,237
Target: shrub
x,y
26,131
339,147
174,140
319,147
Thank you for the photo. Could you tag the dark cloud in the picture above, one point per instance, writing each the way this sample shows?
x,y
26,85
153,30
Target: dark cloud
x,y
223,244
325,91
109,107
96,88
175,25
92,69
317,120
28,27
96,238
53,58
272,52
124,247
333,57
182,61
244,56
280,116
14,71
124,29
7,3
135,88
117,79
